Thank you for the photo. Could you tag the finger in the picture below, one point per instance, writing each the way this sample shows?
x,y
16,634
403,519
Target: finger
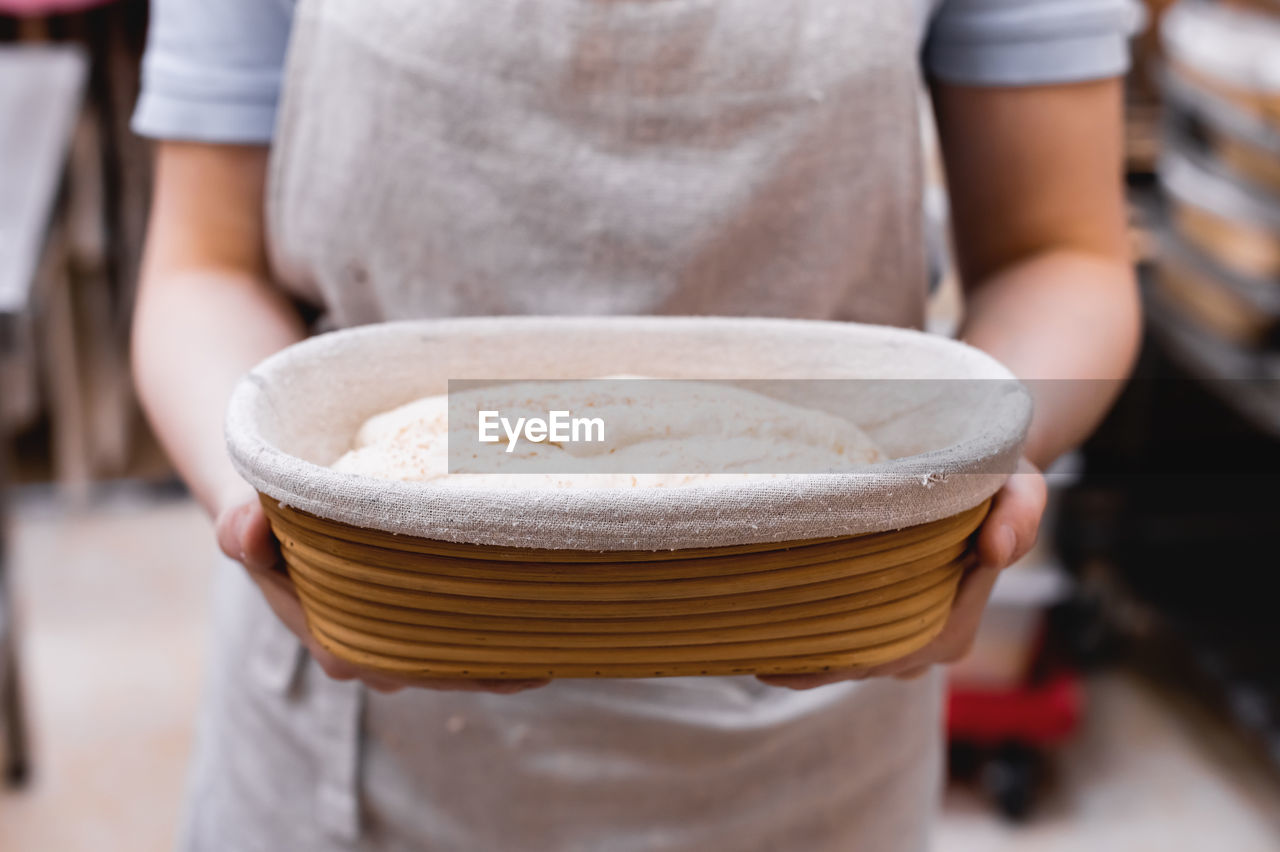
x,y
283,600
798,682
893,667
382,686
339,669
962,624
948,646
919,658
245,535
498,685
512,687
1010,531
957,634
261,550
227,526
336,667
503,687
277,585
812,681
461,684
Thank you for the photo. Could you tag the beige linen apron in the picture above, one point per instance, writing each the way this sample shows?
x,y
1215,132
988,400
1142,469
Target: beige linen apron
x,y
583,157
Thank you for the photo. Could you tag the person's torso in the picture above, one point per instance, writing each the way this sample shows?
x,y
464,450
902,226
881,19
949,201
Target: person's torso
x,y
601,157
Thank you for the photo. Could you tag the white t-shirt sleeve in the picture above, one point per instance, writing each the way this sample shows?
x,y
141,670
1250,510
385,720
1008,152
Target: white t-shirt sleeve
x,y
212,70
1029,42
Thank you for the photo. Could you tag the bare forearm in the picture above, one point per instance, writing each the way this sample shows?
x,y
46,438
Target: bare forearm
x,y
206,310
195,334
1036,181
1068,323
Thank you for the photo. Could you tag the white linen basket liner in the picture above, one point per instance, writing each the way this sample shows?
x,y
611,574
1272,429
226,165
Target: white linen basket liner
x,y
953,443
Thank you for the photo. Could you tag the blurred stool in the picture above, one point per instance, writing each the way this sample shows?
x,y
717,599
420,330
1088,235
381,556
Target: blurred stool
x,y
41,89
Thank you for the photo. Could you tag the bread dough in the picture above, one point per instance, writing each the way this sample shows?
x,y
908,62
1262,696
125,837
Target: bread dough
x,y
710,432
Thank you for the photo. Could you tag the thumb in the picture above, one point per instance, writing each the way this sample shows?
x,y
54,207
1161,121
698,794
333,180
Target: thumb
x,y
245,535
1010,530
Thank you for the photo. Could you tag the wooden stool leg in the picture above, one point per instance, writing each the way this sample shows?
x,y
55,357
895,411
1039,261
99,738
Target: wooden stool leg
x,y
17,764
13,721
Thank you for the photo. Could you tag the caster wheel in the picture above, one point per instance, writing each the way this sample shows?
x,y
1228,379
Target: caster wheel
x,y
1011,778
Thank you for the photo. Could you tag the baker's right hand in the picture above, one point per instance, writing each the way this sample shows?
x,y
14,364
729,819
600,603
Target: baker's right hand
x,y
245,536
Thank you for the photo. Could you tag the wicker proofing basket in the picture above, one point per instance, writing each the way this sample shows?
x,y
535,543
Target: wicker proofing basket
x,y
775,577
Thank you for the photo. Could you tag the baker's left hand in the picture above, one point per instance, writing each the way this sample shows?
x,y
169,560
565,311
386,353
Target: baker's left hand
x,y
1007,534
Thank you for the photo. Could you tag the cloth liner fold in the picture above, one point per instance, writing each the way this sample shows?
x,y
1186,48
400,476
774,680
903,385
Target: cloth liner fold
x,y
954,439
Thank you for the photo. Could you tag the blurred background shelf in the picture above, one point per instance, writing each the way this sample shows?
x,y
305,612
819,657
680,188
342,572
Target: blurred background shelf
x,y
69,400
41,89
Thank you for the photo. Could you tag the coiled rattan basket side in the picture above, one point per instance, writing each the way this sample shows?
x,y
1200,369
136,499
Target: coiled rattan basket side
x,y
425,608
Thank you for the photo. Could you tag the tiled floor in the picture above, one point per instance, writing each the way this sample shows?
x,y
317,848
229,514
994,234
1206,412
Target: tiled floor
x,y
112,602
113,607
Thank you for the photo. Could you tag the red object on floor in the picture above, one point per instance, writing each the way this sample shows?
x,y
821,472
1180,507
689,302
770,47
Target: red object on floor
x,y
1042,714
